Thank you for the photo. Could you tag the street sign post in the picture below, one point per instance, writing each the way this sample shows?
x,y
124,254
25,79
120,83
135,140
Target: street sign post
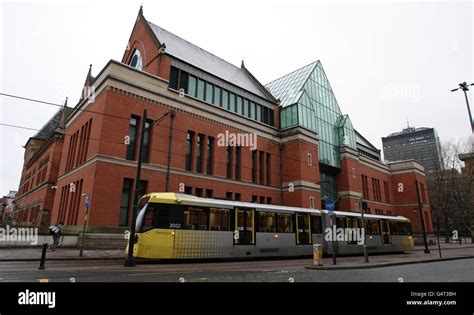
x,y
86,210
330,205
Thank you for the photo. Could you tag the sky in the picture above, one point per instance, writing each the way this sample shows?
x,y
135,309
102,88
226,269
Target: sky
x,y
388,62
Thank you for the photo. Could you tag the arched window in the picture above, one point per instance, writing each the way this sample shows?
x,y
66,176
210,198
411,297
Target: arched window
x,y
136,60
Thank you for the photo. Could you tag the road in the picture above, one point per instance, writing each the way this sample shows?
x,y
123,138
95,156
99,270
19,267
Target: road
x,y
288,270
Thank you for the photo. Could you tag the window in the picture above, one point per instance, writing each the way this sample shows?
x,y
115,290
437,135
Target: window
x,y
393,228
271,117
174,77
209,193
146,141
269,200
200,152
267,222
136,60
225,99
228,195
262,161
254,199
310,159
375,227
209,92
229,161
304,235
198,192
253,113
160,216
238,153
195,218
188,190
219,219
404,228
246,109
387,192
254,166
210,148
132,136
311,202
189,150
125,201
232,102
183,81
316,225
192,86
217,96
259,112
262,199
238,197
284,223
268,169
200,89
265,115
240,109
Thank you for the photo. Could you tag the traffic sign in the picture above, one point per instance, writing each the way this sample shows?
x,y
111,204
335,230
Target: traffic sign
x,y
329,204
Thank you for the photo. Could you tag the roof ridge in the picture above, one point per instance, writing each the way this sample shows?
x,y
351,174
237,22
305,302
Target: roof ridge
x,y
153,24
314,62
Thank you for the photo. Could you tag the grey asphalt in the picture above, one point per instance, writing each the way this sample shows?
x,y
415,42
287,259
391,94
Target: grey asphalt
x,y
292,270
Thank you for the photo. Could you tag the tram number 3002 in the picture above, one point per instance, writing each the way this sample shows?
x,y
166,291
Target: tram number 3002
x,y
175,225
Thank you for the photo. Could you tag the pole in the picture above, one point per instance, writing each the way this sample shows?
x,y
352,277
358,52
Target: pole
x,y
173,113
420,205
130,260
333,228
366,254
439,231
43,256
468,108
84,226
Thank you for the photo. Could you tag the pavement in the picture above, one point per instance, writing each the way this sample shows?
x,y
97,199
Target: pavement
x,y
449,251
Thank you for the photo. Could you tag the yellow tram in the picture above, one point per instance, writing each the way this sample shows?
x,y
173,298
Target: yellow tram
x,y
180,226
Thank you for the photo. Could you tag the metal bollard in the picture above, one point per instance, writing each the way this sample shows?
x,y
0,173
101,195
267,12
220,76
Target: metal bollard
x,y
43,256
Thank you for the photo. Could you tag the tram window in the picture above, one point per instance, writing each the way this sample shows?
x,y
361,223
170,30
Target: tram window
x,y
393,228
367,229
195,218
352,222
304,236
267,222
219,219
162,216
316,224
341,223
284,223
374,227
404,228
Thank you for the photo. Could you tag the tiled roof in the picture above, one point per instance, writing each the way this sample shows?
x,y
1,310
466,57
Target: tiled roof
x,y
204,60
48,129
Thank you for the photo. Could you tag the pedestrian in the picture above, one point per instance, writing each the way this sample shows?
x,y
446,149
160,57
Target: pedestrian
x,y
55,231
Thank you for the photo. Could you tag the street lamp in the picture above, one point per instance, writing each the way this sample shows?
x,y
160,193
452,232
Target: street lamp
x,y
465,87
420,205
130,260
362,208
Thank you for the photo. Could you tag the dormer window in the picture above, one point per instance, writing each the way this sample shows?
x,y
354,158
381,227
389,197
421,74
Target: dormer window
x,y
136,60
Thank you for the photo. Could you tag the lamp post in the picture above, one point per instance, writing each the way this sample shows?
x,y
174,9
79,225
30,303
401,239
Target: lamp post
x,y
87,203
420,205
366,254
465,87
130,260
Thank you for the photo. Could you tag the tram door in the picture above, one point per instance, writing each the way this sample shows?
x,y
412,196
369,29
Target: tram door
x,y
244,226
385,229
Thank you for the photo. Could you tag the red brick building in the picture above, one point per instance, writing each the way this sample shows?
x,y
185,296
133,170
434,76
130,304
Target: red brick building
x,y
291,161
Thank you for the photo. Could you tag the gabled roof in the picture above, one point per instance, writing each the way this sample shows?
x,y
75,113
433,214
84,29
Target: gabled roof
x,y
361,140
204,60
48,129
289,88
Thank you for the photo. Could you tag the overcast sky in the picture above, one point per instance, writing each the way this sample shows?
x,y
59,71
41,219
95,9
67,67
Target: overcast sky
x,y
386,61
